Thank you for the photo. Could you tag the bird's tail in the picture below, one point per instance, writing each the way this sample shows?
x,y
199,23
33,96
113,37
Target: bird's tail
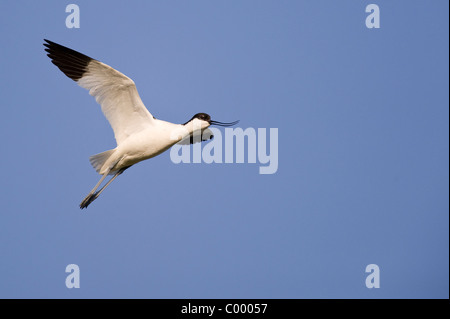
x,y
98,160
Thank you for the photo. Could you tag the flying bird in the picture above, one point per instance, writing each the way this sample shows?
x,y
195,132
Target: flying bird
x,y
139,135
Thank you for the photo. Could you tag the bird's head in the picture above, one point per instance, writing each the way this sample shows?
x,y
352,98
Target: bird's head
x,y
203,120
196,129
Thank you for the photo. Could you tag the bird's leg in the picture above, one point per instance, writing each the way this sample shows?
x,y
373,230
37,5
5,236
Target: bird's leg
x,y
109,182
93,195
87,200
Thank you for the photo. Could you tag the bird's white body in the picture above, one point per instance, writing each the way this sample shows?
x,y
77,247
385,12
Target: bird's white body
x,y
155,139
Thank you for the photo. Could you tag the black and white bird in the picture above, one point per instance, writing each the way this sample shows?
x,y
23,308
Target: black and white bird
x,y
139,135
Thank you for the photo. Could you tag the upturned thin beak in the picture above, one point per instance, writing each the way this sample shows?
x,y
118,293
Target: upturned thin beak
x,y
223,123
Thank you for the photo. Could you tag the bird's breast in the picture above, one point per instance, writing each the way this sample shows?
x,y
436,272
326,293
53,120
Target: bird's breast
x,y
147,144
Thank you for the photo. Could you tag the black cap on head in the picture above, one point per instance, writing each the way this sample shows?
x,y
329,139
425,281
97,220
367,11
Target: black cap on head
x,y
207,118
202,116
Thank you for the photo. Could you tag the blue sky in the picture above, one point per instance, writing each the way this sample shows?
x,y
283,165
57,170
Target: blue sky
x,y
363,149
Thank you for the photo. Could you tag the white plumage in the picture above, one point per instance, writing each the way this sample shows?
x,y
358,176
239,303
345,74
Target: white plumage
x,y
118,97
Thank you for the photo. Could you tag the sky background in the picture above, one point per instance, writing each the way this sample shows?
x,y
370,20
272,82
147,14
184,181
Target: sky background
x,y
363,175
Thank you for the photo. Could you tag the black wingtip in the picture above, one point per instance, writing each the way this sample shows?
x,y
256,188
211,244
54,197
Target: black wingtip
x,y
72,63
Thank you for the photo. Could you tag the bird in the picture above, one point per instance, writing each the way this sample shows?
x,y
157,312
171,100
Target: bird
x,y
139,135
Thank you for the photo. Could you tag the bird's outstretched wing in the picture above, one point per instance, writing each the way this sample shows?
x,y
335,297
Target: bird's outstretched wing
x,y
114,91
